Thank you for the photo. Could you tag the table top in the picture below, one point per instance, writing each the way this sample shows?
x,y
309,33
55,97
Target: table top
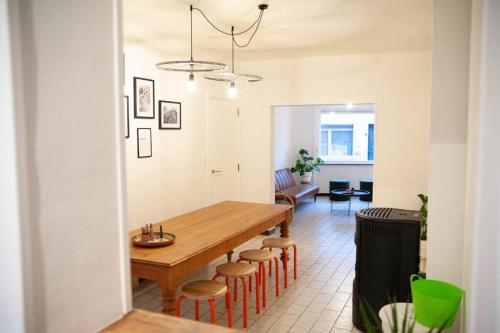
x,y
350,194
146,321
204,228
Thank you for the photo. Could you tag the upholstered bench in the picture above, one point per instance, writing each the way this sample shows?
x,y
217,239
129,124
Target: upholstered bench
x,y
286,186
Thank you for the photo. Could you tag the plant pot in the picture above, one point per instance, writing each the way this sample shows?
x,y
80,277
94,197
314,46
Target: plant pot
x,y
306,178
423,255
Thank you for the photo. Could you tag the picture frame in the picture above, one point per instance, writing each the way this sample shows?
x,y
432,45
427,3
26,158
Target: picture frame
x,y
144,98
169,115
127,117
144,143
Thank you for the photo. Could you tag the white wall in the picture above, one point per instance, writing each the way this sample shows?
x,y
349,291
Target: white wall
x,y
12,294
297,127
482,231
173,181
398,84
283,152
69,160
447,153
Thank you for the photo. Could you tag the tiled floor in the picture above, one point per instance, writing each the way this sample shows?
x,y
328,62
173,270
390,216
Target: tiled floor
x,y
318,301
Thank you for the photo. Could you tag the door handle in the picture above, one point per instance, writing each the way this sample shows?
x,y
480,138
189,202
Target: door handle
x,y
216,171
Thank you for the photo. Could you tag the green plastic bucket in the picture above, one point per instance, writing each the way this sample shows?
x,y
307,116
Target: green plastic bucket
x,y
435,302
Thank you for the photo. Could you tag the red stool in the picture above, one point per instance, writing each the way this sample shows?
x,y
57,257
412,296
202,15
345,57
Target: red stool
x,y
261,256
205,290
239,270
283,244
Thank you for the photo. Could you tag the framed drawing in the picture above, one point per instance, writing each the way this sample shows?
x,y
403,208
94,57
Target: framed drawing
x,y
126,117
144,144
144,98
169,116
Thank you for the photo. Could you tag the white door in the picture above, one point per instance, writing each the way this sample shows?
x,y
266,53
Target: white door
x,y
223,151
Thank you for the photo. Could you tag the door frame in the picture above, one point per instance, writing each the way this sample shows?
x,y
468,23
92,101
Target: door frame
x,y
209,99
376,99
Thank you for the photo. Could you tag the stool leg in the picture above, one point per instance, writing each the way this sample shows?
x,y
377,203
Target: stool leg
x,y
270,263
227,299
295,262
277,277
211,302
178,305
245,308
229,311
197,310
236,290
262,273
216,276
285,267
250,280
257,292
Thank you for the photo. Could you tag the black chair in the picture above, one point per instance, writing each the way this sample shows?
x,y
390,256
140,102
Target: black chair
x,y
338,184
366,185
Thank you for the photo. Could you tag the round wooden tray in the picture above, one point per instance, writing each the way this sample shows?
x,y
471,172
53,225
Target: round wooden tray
x,y
156,242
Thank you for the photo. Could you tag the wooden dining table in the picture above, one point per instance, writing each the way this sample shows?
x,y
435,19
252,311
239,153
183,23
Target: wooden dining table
x,y
202,236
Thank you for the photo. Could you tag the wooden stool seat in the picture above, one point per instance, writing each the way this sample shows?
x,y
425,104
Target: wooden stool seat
x,y
278,242
257,255
235,269
204,289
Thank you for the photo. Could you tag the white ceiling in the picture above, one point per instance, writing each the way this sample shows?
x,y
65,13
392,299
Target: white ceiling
x,y
290,28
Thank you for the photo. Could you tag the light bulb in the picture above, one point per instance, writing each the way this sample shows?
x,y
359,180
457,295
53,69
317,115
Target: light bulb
x,y
232,91
191,83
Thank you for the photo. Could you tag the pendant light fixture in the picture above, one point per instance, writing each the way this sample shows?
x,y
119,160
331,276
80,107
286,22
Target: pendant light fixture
x,y
232,77
191,66
216,69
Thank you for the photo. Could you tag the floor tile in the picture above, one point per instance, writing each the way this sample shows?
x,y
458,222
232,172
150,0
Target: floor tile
x,y
295,309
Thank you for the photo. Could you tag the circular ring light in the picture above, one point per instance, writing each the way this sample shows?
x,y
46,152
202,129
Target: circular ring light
x,y
232,77
191,66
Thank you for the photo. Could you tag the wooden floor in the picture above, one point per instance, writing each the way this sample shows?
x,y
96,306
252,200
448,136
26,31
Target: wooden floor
x,y
320,299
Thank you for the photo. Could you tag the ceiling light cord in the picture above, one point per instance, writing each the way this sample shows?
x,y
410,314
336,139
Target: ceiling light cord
x,y
232,33
191,11
253,34
232,49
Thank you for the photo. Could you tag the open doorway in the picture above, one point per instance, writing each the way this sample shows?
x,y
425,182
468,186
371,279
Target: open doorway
x,y
342,135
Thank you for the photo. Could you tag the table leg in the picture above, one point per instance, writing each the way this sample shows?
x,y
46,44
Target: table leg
x,y
229,255
168,287
284,229
284,232
349,211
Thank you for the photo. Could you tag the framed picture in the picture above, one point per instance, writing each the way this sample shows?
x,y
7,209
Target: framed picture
x,y
169,116
144,98
126,118
144,145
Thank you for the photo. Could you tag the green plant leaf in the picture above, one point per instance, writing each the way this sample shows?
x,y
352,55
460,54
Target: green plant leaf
x,y
371,322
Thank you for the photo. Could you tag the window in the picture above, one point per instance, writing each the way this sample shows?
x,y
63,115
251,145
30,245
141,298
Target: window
x,y
347,133
371,128
336,140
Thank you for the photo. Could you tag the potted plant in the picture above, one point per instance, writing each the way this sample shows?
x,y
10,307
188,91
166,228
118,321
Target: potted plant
x,y
400,318
305,165
423,231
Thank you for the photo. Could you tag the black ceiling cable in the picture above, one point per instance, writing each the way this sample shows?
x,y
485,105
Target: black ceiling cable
x,y
253,34
262,7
